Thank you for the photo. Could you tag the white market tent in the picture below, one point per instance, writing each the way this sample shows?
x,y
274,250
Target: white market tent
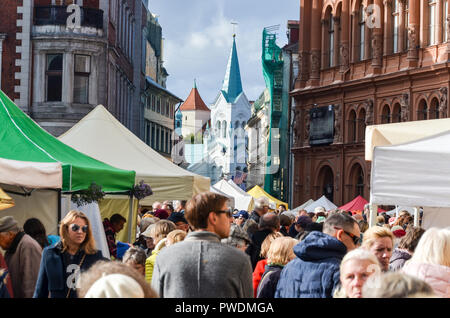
x,y
293,212
242,200
232,204
322,201
100,135
414,173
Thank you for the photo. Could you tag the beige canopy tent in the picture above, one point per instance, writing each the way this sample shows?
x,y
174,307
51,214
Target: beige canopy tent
x,y
100,135
399,133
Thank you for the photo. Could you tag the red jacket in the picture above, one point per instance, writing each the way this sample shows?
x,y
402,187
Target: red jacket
x,y
257,274
8,280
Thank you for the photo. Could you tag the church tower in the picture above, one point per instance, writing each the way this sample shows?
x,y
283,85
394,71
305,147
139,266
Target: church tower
x,y
229,115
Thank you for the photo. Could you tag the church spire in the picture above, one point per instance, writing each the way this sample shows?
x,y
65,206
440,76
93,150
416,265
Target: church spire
x,y
232,85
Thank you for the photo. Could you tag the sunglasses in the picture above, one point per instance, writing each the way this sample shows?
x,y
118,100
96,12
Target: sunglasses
x,y
228,212
356,239
76,227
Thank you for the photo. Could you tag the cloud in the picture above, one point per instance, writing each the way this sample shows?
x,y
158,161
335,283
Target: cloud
x,y
198,40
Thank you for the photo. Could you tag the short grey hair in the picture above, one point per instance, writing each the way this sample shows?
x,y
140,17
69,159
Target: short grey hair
x,y
135,255
261,202
340,220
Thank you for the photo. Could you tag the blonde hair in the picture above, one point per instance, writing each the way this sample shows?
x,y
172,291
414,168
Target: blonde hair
x,y
159,230
176,236
374,233
433,247
281,250
267,241
88,245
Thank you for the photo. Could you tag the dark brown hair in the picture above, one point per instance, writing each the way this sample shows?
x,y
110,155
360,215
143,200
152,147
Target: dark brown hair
x,y
199,207
411,239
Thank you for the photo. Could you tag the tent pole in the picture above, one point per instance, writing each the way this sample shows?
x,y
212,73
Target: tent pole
x,y
59,210
130,218
373,214
416,216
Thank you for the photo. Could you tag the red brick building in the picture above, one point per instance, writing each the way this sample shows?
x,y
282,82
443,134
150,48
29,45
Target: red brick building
x,y
393,68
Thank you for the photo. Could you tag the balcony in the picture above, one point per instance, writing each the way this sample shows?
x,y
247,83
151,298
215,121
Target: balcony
x,y
57,15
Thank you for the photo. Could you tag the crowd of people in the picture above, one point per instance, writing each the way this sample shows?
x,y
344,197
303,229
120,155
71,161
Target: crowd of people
x,y
202,248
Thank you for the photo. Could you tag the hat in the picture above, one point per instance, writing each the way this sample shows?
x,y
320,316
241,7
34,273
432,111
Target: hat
x,y
115,286
236,234
177,217
303,221
398,231
242,213
162,214
7,223
319,209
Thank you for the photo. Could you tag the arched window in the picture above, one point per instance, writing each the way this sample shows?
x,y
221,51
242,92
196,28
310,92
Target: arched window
x,y
432,23
396,113
331,36
362,32
422,110
224,129
395,25
218,131
434,109
386,115
326,183
406,26
352,126
362,125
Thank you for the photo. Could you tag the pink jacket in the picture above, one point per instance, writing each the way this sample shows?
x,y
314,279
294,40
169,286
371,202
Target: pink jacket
x,y
437,276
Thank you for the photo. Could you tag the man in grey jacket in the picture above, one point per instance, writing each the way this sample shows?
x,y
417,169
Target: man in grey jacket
x,y
202,266
23,257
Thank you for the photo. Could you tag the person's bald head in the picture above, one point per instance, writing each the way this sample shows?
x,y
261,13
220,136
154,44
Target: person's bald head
x,y
270,221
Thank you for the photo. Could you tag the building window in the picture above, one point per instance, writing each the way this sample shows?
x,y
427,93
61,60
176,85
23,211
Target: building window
x,y
158,140
331,41
167,109
167,142
362,34
158,105
432,22
352,126
54,77
386,115
397,113
406,25
422,111
444,22
396,25
81,79
152,136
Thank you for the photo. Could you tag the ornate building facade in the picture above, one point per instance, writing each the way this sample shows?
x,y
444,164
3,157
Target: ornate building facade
x,y
374,62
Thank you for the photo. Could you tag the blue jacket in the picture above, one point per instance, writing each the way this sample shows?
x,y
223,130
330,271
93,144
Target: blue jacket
x,y
315,271
51,280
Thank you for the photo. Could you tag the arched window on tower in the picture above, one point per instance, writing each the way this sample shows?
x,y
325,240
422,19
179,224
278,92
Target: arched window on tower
x,y
224,129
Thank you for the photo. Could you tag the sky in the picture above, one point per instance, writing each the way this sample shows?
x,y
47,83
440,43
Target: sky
x,y
198,37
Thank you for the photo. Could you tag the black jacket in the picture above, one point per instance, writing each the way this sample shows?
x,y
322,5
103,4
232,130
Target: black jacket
x,y
254,249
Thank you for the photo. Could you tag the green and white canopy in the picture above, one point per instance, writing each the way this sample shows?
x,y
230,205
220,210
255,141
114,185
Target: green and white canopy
x,y
30,157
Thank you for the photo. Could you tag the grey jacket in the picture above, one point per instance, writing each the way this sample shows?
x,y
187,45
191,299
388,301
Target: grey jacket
x,y
202,267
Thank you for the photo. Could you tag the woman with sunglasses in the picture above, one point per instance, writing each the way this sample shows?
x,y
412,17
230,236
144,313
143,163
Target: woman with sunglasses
x,y
61,264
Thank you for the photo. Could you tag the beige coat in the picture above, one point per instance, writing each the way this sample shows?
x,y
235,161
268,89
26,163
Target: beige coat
x,y
23,265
